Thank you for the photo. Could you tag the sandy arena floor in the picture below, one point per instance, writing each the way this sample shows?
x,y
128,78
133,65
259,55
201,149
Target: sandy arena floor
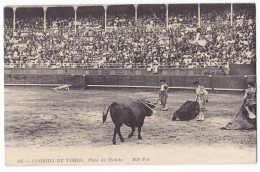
x,y
41,117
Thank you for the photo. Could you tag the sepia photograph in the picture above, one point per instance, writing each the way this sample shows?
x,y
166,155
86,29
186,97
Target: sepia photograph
x,y
130,84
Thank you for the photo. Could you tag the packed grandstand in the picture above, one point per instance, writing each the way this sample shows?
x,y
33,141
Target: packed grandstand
x,y
130,36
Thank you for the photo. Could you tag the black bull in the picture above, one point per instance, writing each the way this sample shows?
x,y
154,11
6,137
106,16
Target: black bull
x,y
131,114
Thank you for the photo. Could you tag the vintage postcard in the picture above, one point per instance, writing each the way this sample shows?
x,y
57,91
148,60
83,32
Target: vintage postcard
x,y
130,84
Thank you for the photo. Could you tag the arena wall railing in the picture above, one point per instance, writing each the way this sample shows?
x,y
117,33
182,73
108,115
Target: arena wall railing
x,y
115,71
124,78
216,68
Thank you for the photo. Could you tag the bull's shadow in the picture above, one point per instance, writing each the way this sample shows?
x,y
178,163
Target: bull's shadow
x,y
131,114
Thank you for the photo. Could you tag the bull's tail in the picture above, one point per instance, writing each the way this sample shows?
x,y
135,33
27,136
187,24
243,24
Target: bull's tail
x,y
105,115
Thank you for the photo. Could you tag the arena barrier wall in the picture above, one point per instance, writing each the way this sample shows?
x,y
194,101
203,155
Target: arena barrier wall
x,y
112,71
242,69
120,78
38,79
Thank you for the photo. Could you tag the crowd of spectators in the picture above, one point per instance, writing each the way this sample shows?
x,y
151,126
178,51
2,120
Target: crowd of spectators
x,y
29,23
8,23
215,14
183,15
183,45
55,23
120,20
90,21
152,21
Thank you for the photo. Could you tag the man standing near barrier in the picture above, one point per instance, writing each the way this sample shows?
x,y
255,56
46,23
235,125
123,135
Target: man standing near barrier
x,y
163,95
250,97
201,98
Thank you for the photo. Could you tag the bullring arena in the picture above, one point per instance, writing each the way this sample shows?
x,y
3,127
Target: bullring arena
x,y
124,56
